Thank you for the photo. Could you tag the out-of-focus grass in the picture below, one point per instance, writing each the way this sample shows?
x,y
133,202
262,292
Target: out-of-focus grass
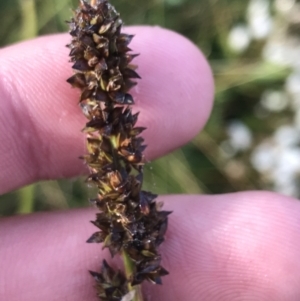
x,y
29,22
198,166
233,74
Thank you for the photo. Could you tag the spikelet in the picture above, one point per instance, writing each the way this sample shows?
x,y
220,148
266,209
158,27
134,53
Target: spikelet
x,y
130,221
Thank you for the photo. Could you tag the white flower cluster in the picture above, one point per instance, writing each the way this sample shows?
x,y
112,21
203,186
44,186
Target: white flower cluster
x,y
259,25
277,158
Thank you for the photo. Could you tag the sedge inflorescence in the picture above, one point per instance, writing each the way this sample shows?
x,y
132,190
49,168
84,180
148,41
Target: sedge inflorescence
x,y
130,221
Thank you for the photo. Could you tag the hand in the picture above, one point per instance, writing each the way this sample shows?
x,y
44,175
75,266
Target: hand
x,y
242,246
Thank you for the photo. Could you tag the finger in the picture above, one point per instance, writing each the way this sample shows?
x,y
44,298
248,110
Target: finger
x,y
40,121
231,247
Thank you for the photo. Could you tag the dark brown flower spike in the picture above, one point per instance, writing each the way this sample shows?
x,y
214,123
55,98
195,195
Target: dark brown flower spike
x,y
130,221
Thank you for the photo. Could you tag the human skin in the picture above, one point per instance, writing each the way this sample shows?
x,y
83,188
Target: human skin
x,y
241,246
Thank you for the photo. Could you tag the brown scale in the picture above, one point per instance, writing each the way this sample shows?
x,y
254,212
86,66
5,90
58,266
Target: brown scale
x,y
130,220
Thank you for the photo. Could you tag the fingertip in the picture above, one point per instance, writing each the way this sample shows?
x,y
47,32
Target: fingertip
x,y
178,69
241,246
41,122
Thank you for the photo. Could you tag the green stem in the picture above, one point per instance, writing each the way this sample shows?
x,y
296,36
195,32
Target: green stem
x,y
129,268
26,196
29,27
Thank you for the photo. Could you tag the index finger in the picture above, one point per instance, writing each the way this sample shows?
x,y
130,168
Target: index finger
x,y
40,122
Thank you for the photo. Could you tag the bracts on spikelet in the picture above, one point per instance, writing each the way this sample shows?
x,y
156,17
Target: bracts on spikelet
x,y
130,222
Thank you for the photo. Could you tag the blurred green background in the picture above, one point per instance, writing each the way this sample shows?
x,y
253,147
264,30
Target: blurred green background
x,y
255,104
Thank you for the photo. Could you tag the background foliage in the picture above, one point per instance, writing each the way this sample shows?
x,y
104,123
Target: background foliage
x,y
234,35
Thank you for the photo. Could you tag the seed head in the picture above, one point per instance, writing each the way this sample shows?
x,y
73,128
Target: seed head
x,y
129,219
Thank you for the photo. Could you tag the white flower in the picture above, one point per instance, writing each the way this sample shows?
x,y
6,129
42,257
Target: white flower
x,y
274,101
278,159
240,137
239,38
284,6
259,19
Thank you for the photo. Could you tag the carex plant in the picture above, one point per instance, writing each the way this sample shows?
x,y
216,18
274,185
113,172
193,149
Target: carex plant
x,y
129,221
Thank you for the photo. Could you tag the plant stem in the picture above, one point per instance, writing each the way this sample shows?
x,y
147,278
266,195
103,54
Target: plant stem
x,y
29,27
128,264
26,195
